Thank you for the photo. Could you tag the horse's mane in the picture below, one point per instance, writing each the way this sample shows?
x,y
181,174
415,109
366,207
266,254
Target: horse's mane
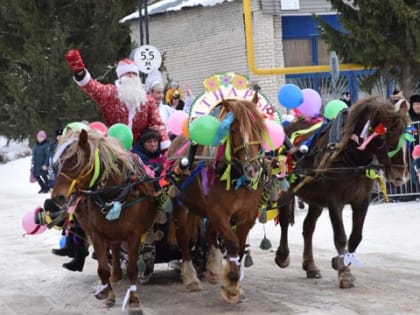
x,y
116,162
377,111
251,121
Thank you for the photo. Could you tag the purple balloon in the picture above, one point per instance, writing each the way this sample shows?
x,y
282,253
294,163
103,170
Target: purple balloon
x,y
311,103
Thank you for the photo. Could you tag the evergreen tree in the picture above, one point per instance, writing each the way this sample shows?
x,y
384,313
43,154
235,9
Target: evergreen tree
x,y
380,34
37,90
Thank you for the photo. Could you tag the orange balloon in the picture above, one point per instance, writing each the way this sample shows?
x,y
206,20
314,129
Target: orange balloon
x,y
185,132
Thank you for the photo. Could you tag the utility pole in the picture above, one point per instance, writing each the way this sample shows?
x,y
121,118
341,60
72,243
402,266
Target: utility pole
x,y
143,22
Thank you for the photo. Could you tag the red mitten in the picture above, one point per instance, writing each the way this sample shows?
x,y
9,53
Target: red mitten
x,y
74,60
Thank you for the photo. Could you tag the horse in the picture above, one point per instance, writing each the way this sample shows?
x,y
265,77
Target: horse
x,y
227,191
331,177
112,198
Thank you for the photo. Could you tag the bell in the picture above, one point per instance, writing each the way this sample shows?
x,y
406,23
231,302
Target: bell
x,y
265,243
248,260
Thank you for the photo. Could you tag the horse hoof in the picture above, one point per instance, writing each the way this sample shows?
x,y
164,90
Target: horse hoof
x,y
334,262
211,277
313,274
101,295
282,263
229,297
346,283
109,302
193,287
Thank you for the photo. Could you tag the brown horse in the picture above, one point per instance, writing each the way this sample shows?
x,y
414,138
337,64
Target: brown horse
x,y
334,177
93,180
229,201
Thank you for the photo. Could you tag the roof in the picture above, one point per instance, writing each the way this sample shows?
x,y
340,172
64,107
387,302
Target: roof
x,y
172,5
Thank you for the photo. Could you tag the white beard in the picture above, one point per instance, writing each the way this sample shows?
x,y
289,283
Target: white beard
x,y
131,92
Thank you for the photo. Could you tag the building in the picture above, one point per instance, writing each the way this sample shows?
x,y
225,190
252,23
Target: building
x,y
201,37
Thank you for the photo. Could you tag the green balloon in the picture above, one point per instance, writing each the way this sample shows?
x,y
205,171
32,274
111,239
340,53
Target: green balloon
x,y
203,129
76,125
333,108
122,133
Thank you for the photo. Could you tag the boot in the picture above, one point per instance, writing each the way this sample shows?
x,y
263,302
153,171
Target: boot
x,y
80,253
67,250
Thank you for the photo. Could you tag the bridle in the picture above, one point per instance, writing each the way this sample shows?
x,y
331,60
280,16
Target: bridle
x,y
245,146
94,167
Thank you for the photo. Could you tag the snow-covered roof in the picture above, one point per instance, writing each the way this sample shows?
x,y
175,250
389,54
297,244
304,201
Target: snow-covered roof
x,y
172,5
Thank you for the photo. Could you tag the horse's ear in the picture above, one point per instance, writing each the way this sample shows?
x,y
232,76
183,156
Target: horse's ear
x,y
224,107
83,140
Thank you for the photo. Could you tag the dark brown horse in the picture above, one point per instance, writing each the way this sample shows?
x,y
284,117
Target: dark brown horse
x,y
227,192
93,181
334,177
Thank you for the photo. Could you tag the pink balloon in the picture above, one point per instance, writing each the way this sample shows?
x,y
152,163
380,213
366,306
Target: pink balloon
x,y
99,126
311,103
276,135
175,122
29,225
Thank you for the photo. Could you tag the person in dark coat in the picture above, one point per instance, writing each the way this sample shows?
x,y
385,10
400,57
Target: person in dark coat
x,y
41,161
147,148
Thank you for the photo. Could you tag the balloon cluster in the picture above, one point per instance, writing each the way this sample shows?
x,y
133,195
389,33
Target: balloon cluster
x,y
208,130
307,102
119,131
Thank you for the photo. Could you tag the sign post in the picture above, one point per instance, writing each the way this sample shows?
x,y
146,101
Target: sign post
x,y
147,58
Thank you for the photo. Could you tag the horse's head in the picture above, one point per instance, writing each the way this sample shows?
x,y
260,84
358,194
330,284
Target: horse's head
x,y
245,136
87,160
377,129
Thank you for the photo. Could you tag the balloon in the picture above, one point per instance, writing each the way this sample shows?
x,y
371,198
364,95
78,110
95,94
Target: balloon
x,y
203,129
175,122
333,108
62,243
101,127
185,132
76,125
276,134
122,133
29,225
290,96
311,103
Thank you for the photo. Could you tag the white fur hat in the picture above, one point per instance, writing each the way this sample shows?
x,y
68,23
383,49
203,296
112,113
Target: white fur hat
x,y
126,65
153,80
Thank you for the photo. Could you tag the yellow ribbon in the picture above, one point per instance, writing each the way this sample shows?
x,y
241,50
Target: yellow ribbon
x,y
373,174
305,131
226,173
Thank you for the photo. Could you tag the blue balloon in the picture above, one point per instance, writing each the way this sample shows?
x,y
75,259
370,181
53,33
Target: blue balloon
x,y
290,96
62,243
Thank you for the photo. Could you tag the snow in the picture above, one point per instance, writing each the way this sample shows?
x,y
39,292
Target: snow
x,y
13,150
172,5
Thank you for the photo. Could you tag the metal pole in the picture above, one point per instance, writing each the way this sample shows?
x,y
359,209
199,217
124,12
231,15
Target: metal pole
x,y
140,5
146,21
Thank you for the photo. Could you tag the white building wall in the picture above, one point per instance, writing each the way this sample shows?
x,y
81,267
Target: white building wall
x,y
200,41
